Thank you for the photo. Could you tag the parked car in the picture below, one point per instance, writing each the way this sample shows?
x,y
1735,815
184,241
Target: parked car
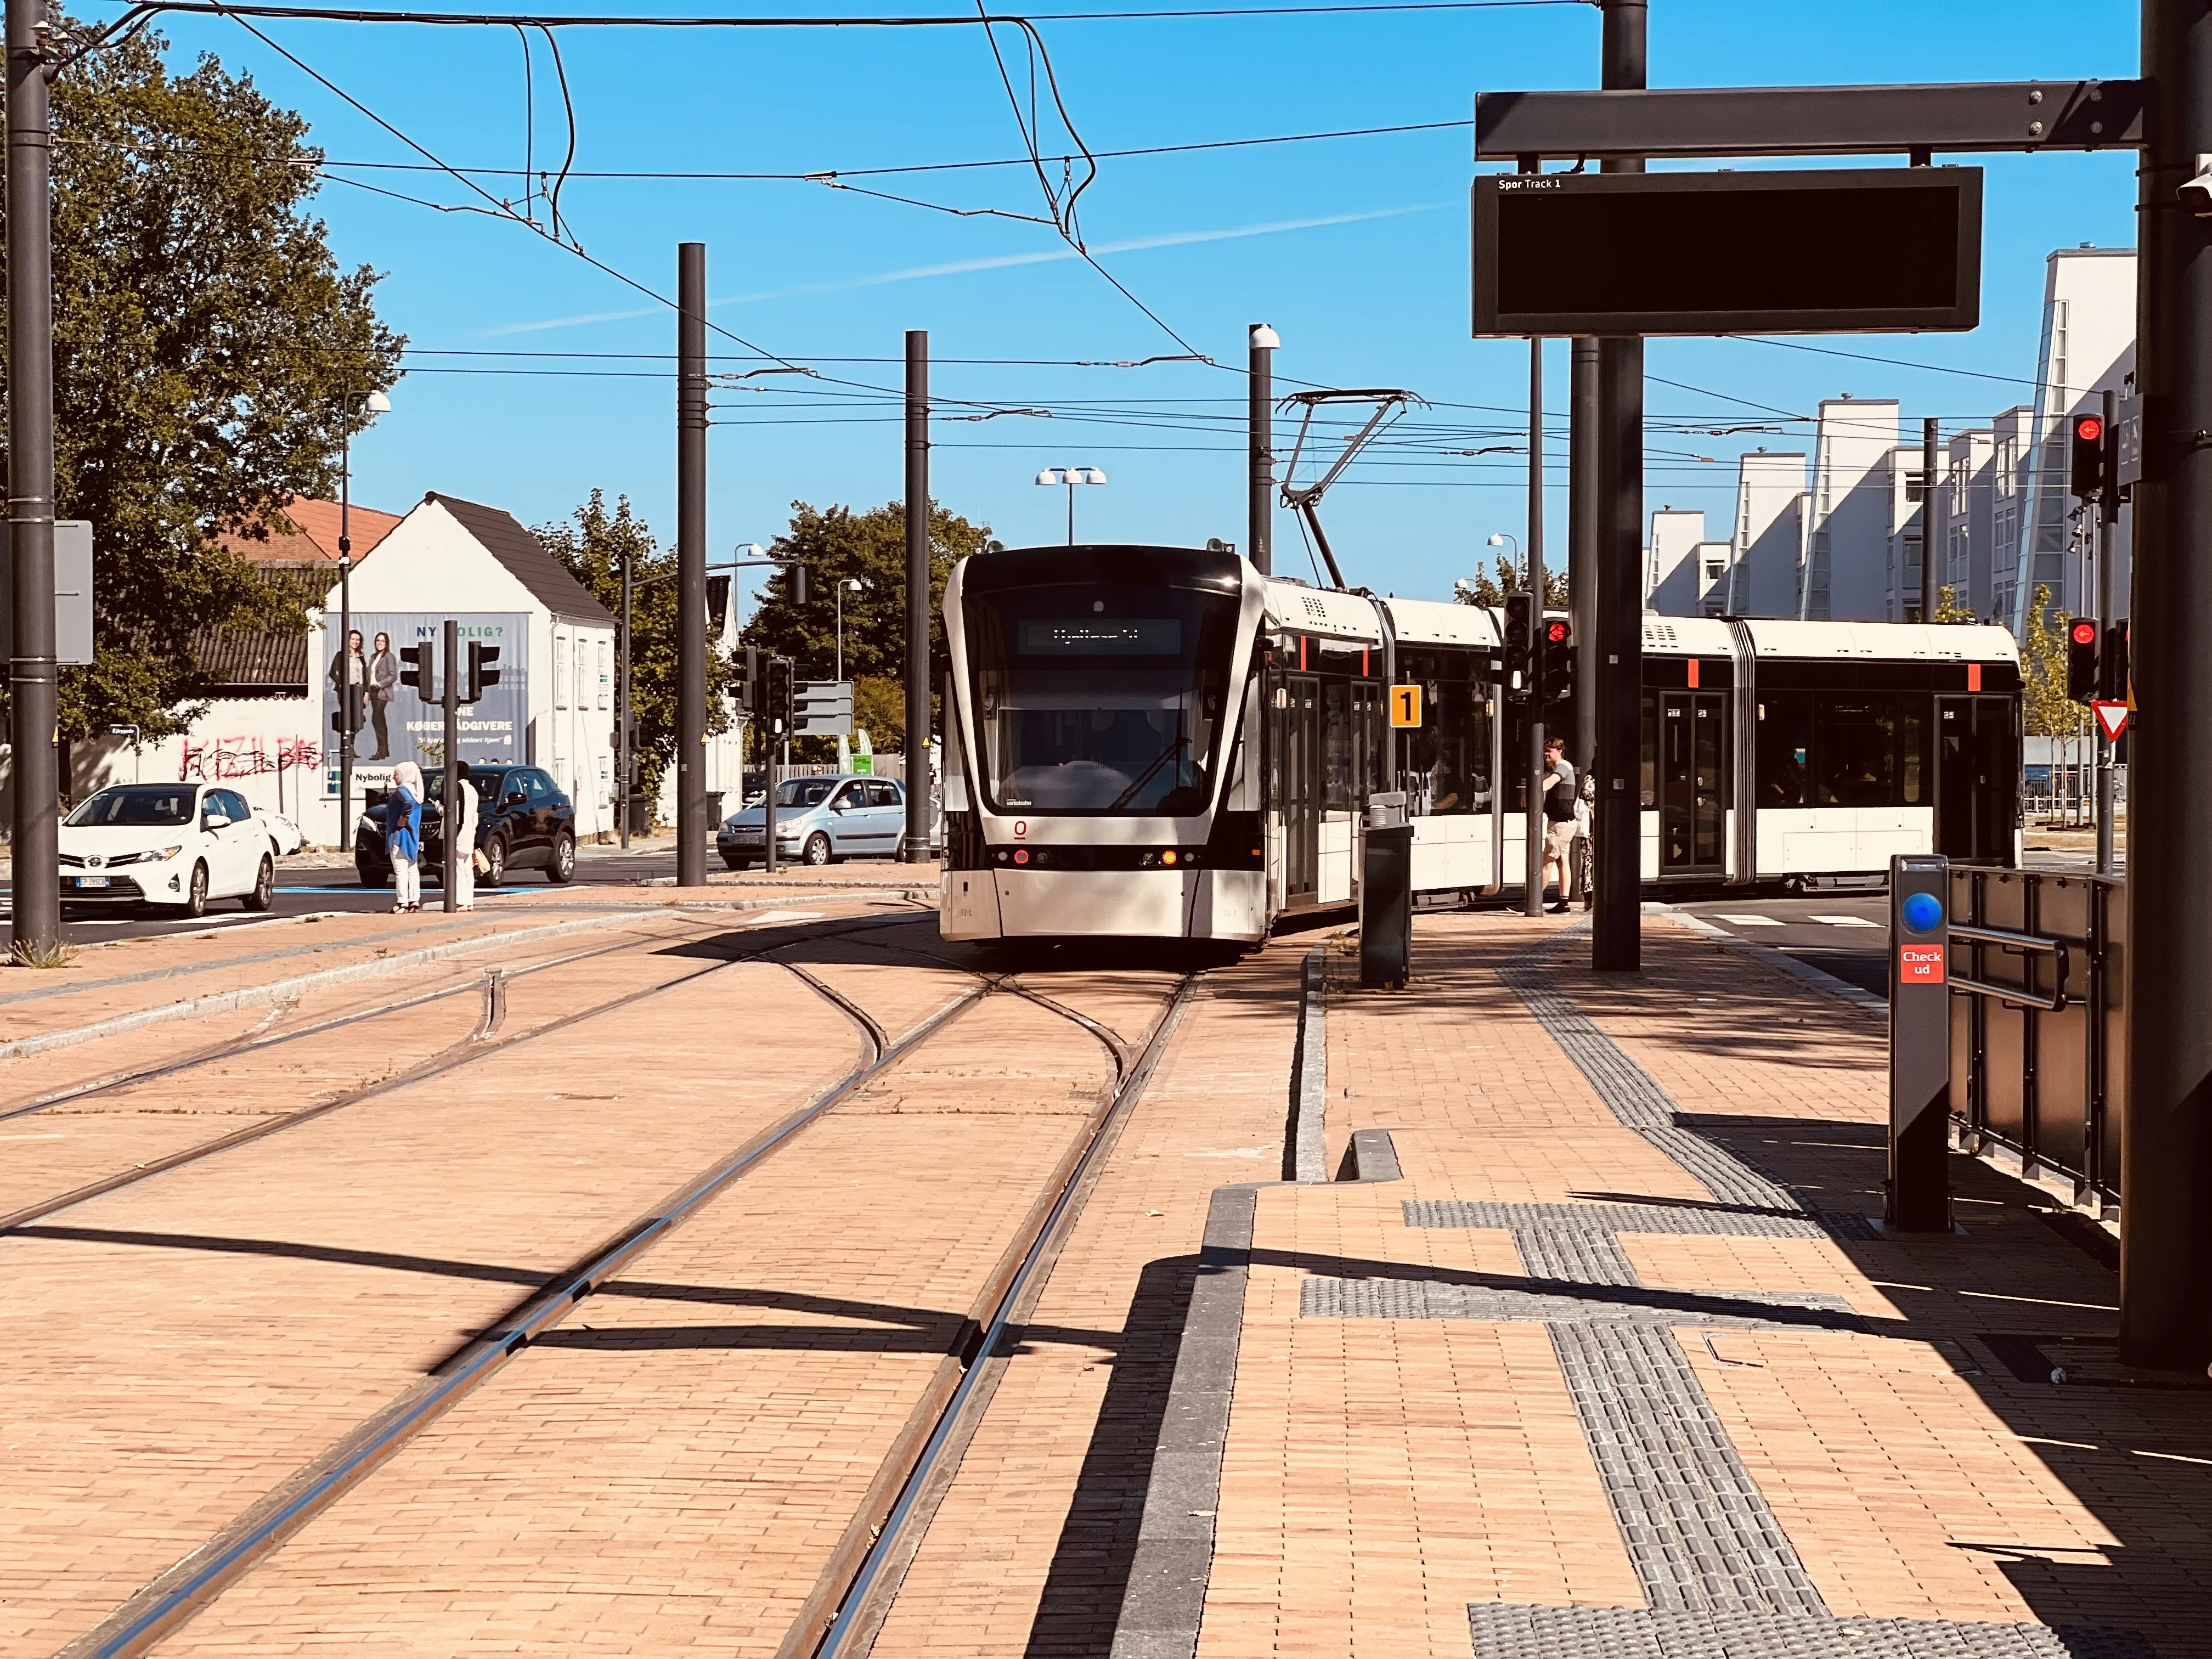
x,y
523,822
176,845
284,835
819,819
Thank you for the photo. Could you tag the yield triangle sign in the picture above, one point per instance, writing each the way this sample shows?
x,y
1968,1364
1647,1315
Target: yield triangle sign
x,y
2112,719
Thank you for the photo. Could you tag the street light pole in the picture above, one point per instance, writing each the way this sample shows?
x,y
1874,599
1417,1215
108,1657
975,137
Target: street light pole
x,y
33,676
625,734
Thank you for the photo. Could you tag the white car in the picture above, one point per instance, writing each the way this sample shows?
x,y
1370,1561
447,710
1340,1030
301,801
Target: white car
x,y
284,835
180,844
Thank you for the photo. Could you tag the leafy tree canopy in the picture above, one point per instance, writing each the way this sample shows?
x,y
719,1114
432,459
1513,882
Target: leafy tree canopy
x,y
1490,591
593,545
2048,711
209,356
840,545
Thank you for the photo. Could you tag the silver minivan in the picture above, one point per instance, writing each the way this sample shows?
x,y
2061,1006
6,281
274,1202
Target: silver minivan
x,y
819,819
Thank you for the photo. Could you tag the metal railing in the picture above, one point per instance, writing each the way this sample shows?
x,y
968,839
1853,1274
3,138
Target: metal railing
x,y
2038,1021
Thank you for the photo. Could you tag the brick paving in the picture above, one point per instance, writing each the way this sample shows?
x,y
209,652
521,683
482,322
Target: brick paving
x,y
173,1350
1027,1549
671,1469
1390,1481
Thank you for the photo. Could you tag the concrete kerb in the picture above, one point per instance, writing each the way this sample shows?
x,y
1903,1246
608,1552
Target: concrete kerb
x,y
1865,1000
278,990
1164,1600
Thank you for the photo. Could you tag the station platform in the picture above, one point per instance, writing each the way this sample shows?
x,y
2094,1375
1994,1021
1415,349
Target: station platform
x,y
1586,1342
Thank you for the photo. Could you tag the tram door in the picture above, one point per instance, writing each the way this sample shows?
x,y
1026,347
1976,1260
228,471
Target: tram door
x,y
1693,783
1976,777
1296,746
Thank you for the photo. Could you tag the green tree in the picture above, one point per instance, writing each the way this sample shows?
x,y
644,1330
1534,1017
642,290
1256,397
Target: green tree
x,y
209,356
1947,608
592,545
2049,712
1490,591
839,545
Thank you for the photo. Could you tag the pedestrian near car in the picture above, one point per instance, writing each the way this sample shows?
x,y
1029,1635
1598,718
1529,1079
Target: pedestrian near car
x,y
463,818
1558,817
402,837
383,686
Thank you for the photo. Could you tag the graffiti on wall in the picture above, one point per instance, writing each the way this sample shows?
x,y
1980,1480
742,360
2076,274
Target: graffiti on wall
x,y
211,758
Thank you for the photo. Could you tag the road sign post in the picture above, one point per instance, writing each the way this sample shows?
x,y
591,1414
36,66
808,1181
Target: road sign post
x,y
1917,1196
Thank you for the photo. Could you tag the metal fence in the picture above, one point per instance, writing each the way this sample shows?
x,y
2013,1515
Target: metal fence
x,y
2038,985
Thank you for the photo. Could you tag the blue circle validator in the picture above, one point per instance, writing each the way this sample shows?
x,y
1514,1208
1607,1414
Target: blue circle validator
x,y
1922,912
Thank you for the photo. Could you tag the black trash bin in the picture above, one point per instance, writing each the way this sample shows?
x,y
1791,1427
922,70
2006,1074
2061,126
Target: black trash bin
x,y
1386,898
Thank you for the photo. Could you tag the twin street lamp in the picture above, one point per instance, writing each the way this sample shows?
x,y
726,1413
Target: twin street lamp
x,y
1071,476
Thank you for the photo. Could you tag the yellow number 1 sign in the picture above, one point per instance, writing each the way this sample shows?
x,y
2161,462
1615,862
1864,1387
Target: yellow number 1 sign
x,y
1405,706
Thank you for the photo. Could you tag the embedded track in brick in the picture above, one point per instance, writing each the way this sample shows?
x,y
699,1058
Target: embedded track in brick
x,y
847,1581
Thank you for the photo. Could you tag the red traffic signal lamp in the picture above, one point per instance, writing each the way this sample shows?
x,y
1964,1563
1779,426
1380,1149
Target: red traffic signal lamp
x,y
2088,472
1559,660
2082,683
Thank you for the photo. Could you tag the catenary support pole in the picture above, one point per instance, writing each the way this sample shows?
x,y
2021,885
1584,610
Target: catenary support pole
x,y
691,826
914,849
2108,552
624,732
2165,1226
1616,933
1931,523
1260,446
33,684
1533,899
449,664
1584,514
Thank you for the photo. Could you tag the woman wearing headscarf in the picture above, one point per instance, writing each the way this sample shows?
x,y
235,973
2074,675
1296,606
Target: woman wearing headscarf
x,y
462,814
403,835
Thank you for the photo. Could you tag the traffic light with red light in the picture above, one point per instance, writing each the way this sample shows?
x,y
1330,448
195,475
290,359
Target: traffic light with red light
x,y
1559,660
2081,654
2087,474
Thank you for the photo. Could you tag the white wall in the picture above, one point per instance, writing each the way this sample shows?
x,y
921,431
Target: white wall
x,y
1847,551
1769,536
1670,577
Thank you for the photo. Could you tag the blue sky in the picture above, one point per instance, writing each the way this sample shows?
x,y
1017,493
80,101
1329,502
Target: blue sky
x,y
1355,250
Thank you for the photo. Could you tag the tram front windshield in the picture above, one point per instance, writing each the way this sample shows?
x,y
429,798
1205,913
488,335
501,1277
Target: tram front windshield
x,y
1100,698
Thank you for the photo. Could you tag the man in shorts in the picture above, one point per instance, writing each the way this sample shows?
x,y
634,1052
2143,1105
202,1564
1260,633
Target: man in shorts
x,y
1559,818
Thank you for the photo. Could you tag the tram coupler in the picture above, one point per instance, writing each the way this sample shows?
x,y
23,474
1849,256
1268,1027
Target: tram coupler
x,y
1918,1194
1386,895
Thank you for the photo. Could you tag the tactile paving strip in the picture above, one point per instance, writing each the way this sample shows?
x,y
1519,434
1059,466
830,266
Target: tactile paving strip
x,y
1720,1577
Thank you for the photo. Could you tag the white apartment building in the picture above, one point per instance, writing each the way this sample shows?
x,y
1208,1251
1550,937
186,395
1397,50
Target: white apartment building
x,y
1966,512
1845,574
2088,348
1901,554
1769,545
1674,582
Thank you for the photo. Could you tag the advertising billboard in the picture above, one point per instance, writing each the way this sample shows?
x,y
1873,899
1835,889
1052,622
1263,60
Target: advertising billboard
x,y
396,724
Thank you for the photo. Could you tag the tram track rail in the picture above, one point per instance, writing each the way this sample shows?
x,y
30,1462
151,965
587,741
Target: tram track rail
x,y
841,1603
479,1044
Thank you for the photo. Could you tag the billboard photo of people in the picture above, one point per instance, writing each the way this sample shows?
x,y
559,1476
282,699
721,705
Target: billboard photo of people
x,y
392,723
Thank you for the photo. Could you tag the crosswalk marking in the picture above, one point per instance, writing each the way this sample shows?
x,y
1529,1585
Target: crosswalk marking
x,y
1749,921
1847,921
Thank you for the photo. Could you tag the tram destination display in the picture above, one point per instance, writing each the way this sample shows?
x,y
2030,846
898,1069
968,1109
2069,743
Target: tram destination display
x,y
1829,251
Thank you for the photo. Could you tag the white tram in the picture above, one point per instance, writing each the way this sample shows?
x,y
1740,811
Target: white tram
x,y
1158,742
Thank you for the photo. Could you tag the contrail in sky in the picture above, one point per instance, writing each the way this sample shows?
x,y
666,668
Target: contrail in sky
x,y
999,262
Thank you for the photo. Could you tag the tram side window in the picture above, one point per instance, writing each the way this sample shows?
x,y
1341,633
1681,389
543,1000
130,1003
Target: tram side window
x,y
1648,786
1855,762
1785,749
1336,745
1447,757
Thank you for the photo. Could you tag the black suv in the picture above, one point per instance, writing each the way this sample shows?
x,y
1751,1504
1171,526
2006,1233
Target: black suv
x,y
523,823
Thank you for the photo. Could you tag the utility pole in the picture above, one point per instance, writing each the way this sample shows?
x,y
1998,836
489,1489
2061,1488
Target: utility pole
x,y
1585,513
916,847
1931,530
1259,444
2165,1240
450,814
34,684
1533,902
625,734
1617,614
2108,549
691,564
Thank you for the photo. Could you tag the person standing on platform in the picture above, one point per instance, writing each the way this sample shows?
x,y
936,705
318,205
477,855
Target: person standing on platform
x,y
1558,817
462,799
403,835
